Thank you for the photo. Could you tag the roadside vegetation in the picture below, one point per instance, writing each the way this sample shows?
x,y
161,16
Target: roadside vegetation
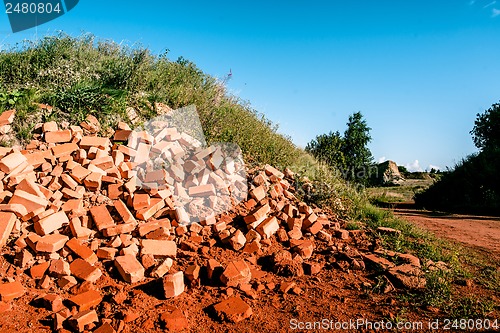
x,y
83,75
443,287
473,185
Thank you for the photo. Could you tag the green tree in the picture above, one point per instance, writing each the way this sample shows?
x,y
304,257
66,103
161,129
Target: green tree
x,y
486,131
355,148
348,153
328,148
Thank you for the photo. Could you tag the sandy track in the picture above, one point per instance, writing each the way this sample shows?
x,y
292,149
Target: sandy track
x,y
481,232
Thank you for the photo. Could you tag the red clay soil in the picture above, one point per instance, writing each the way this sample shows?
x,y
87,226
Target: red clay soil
x,y
478,232
333,294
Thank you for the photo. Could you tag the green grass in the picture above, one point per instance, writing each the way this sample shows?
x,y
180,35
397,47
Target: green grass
x,y
394,194
463,264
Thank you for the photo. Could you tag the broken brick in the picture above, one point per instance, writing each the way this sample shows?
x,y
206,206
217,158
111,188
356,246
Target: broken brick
x,y
11,290
58,136
85,271
86,300
236,272
129,268
82,251
159,247
234,310
173,284
174,320
82,319
101,216
7,221
51,243
51,223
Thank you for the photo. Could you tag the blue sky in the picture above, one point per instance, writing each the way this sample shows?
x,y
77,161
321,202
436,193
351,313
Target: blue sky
x,y
418,70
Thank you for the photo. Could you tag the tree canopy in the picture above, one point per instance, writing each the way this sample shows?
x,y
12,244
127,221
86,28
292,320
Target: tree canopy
x,y
348,153
486,131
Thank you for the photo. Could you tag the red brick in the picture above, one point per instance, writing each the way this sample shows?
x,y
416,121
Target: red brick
x,y
101,216
159,247
11,162
36,159
50,126
163,268
51,223
66,282
77,230
81,319
273,171
154,207
236,272
93,181
121,135
85,271
269,227
213,268
124,212
38,271
174,320
237,240
105,328
210,220
305,249
93,141
65,149
53,302
79,173
202,190
315,228
69,181
7,117
145,228
173,284
31,187
103,163
11,290
257,215
342,234
141,200
7,221
115,191
107,253
119,229
59,268
51,243
258,193
31,202
86,300
234,310
129,268
82,251
58,136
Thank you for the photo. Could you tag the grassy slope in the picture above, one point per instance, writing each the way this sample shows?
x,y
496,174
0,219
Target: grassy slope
x,y
81,76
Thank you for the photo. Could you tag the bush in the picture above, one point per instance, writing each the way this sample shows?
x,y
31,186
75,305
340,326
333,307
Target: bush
x,y
472,187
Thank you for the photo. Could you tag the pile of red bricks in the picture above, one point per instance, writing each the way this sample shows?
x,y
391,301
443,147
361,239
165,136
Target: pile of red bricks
x,y
71,217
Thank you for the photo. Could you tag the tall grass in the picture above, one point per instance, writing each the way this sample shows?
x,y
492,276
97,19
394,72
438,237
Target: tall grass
x,y
84,75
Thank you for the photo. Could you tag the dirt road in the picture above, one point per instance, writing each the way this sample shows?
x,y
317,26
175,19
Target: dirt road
x,y
480,232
